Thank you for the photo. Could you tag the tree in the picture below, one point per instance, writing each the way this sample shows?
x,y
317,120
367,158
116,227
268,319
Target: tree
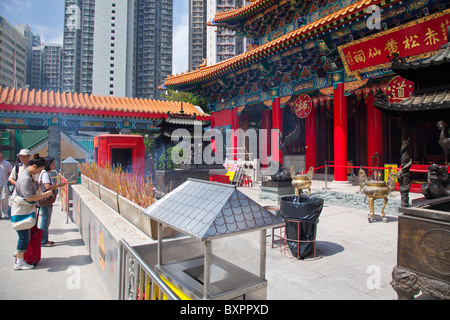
x,y
175,95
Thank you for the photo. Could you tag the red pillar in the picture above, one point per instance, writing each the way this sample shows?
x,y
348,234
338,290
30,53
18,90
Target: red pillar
x,y
277,123
234,126
266,124
340,133
310,139
374,130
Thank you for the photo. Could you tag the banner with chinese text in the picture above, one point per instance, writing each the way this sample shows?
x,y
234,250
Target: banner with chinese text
x,y
421,36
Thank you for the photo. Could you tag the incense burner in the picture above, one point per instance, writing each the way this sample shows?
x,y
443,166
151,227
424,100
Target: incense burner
x,y
374,189
302,181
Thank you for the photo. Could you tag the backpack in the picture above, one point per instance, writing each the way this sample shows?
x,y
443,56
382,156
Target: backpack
x,y
11,186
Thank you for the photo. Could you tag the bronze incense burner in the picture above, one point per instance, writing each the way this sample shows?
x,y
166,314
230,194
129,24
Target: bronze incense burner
x,y
374,189
302,181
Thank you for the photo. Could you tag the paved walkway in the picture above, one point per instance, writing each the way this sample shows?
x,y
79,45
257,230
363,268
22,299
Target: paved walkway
x,y
65,272
356,260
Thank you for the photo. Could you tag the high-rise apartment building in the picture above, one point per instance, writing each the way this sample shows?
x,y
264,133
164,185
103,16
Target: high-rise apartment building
x,y
113,71
222,43
46,67
197,32
153,46
211,43
78,45
117,47
13,60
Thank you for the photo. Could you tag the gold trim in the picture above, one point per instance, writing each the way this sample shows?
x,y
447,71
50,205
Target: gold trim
x,y
348,86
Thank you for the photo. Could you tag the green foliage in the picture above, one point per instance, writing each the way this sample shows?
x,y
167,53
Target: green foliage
x,y
174,95
166,162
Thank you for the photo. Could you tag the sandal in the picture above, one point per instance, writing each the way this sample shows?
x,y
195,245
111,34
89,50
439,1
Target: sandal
x,y
49,244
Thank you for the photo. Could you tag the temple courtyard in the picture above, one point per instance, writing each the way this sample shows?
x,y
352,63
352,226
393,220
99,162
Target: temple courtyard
x,y
354,259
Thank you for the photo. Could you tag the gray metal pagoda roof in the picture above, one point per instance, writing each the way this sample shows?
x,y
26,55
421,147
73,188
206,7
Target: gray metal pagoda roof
x,y
207,210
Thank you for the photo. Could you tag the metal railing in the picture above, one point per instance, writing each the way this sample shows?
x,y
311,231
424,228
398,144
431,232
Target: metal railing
x,y
138,281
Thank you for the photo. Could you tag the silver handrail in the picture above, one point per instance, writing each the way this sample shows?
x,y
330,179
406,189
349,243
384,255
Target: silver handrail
x,y
137,280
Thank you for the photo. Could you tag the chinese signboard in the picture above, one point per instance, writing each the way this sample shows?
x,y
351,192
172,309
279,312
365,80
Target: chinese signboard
x,y
303,106
416,38
399,88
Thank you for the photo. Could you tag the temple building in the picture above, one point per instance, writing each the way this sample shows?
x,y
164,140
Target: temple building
x,y
317,64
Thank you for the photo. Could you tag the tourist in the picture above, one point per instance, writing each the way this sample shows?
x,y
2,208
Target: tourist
x,y
23,212
5,171
24,157
46,183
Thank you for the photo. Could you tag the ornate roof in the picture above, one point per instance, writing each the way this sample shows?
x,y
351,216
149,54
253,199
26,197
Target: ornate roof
x,y
254,7
354,11
438,101
262,16
24,100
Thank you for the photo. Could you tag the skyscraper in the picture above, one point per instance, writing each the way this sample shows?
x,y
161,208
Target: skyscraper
x,y
46,67
13,60
113,70
211,43
78,45
197,32
25,30
153,46
117,47
222,43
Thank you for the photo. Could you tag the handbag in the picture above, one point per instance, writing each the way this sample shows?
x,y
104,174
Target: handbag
x,y
23,214
49,200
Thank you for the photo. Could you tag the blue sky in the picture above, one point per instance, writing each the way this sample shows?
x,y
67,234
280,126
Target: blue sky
x,y
46,17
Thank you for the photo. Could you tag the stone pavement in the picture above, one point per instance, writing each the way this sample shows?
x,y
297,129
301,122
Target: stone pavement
x,y
65,272
355,259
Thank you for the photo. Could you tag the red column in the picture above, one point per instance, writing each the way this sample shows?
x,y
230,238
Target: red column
x,y
266,124
310,139
340,133
234,126
374,130
277,123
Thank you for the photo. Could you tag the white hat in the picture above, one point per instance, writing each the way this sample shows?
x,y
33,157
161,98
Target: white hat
x,y
24,152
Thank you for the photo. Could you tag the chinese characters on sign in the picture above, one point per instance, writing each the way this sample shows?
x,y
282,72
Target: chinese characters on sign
x,y
399,88
303,106
418,37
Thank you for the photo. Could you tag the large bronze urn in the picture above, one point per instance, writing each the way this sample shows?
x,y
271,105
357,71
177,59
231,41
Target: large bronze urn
x,y
374,189
302,181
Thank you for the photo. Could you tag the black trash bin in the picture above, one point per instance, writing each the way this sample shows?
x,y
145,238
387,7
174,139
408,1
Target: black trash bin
x,y
301,214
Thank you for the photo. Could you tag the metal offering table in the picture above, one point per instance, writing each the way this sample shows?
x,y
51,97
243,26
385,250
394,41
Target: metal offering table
x,y
209,211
